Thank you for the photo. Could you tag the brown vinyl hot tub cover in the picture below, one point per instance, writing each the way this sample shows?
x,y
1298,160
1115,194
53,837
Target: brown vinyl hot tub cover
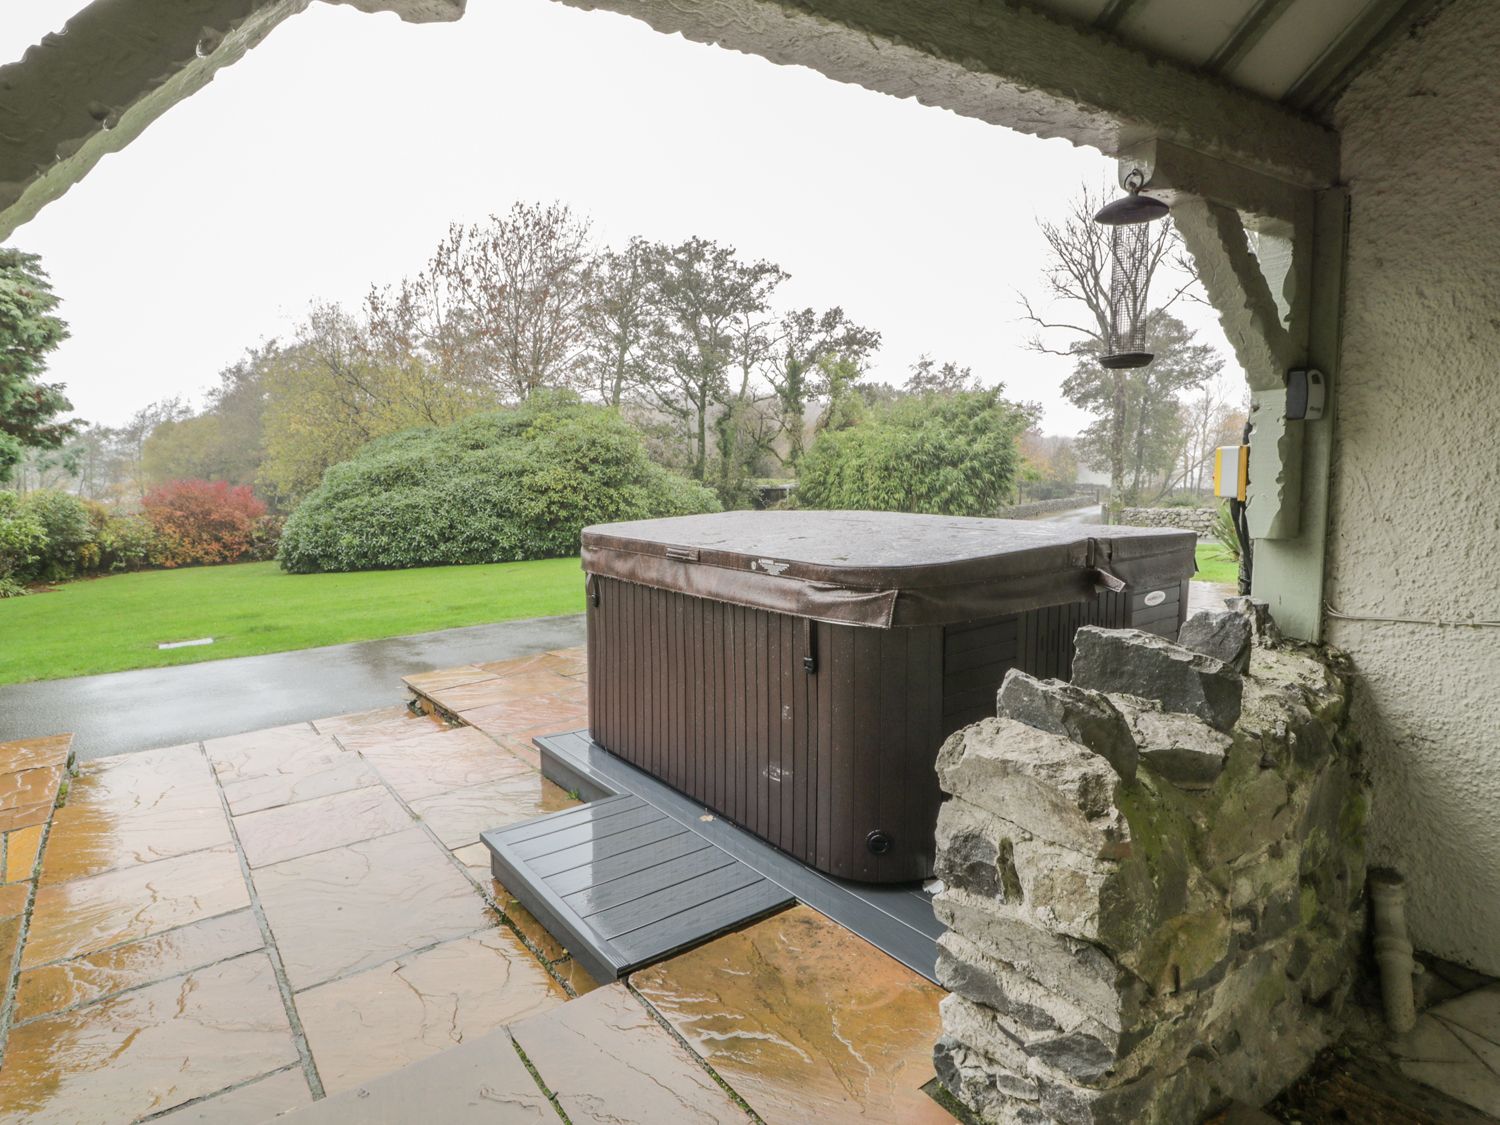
x,y
884,569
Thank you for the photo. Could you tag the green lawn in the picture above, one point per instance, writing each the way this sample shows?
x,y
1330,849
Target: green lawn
x,y
110,624
1215,565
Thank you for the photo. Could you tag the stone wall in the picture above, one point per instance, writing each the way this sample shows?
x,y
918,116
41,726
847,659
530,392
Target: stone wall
x,y
1042,507
1152,878
1197,520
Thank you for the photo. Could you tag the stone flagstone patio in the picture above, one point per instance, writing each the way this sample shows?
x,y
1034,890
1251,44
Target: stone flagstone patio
x,y
302,920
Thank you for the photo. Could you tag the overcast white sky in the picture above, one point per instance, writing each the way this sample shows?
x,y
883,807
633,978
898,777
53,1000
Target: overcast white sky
x,y
335,154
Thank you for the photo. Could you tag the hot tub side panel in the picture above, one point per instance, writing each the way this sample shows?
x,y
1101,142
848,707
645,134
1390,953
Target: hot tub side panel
x,y
718,702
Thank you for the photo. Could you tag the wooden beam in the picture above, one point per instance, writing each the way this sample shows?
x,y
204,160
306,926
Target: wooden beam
x,y
1012,66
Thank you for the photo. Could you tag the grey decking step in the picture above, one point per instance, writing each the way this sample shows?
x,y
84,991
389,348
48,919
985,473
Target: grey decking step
x,y
622,884
896,919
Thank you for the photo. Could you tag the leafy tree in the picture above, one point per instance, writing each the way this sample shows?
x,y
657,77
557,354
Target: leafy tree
x,y
129,442
513,484
1138,428
334,388
29,330
808,344
707,319
1049,459
927,377
226,440
950,454
616,321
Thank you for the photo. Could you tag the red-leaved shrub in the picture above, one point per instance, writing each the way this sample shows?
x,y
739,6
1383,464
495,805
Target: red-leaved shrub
x,y
202,521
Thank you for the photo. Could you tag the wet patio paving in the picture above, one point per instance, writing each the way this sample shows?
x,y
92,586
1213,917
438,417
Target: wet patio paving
x,y
302,920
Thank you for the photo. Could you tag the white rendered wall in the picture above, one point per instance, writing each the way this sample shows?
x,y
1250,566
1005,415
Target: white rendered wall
x,y
1416,467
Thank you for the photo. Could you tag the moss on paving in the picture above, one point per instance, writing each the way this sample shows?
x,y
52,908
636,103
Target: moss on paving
x,y
111,624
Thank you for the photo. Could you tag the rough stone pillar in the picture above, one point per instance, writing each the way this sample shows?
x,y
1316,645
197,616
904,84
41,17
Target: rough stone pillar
x,y
1152,879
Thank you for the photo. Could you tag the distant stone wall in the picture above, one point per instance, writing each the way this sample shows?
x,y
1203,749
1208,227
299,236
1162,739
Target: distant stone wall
x,y
1152,879
1042,507
1200,521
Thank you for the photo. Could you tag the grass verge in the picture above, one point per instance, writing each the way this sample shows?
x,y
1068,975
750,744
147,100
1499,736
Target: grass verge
x,y
111,624
1215,565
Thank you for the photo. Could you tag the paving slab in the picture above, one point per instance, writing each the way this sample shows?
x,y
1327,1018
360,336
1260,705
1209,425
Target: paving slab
x,y
441,762
805,1021
148,1050
86,915
482,1082
66,984
1455,1048
354,907
460,815
382,1019
609,1062
253,1103
318,771
289,831
135,809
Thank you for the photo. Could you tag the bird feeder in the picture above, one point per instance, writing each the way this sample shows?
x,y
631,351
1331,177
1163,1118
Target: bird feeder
x,y
1129,220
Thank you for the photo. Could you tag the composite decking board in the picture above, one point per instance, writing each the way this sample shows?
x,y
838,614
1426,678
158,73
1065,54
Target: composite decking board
x,y
668,904
587,832
897,919
614,916
702,923
602,872
606,893
582,854
591,813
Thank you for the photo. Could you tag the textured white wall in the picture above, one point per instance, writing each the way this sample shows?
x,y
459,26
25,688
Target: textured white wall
x,y
1416,485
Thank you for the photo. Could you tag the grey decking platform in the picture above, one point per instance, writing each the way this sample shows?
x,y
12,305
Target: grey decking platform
x,y
665,842
621,884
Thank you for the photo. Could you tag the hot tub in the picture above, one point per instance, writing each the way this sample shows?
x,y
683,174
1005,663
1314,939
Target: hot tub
x,y
796,672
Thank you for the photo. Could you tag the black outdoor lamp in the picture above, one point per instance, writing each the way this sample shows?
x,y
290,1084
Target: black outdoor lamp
x,y
1128,219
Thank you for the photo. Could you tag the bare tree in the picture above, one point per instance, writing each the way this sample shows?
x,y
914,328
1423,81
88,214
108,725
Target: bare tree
x,y
130,440
501,302
1076,278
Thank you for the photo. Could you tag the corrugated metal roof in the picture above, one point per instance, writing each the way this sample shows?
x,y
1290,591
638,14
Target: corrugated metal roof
x,y
1302,53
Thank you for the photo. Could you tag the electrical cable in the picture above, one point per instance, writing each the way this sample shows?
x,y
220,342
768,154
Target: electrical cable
x,y
1341,616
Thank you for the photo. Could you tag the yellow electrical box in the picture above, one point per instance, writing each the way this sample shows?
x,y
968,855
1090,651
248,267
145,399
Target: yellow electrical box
x,y
1231,471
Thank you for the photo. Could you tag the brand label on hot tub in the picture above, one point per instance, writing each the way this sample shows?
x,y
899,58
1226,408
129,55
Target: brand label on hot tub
x,y
770,566
1155,597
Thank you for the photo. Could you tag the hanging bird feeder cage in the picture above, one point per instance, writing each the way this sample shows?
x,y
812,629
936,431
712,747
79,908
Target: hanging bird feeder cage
x,y
1130,248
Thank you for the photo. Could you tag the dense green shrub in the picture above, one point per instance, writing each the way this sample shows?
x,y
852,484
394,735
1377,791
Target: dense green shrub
x,y
949,454
22,541
70,537
497,487
126,543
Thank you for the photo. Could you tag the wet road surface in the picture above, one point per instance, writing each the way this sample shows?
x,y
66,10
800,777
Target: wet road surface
x,y
126,711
